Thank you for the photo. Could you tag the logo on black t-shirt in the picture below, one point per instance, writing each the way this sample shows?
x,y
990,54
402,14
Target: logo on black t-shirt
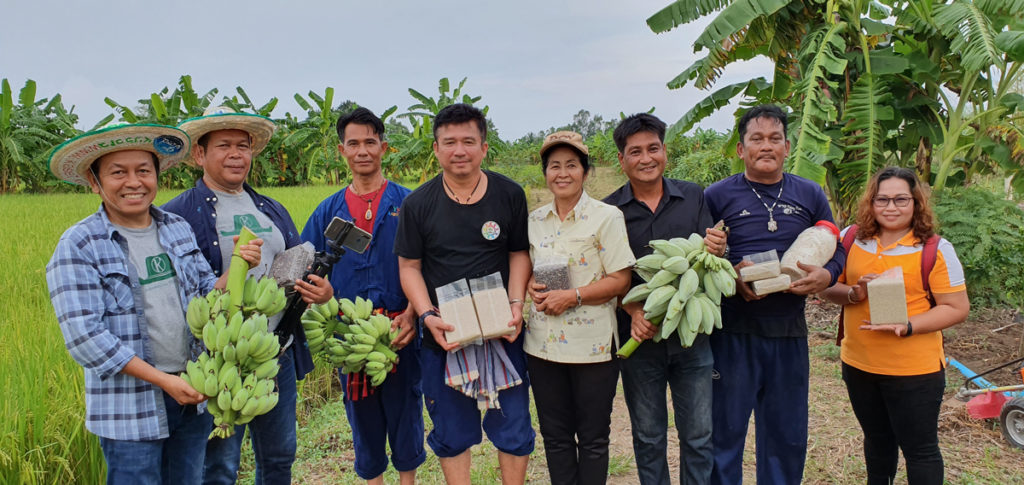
x,y
158,268
247,220
491,230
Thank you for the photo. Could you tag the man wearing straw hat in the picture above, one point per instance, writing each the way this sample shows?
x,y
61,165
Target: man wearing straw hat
x,y
224,144
120,281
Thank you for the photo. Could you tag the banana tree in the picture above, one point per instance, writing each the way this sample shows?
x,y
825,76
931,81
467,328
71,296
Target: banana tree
x,y
865,90
164,107
414,151
245,103
317,138
29,130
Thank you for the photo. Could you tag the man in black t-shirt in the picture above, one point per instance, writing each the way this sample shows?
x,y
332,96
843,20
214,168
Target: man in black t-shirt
x,y
467,223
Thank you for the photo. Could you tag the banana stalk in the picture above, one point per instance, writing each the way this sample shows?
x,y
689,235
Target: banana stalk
x,y
628,348
237,271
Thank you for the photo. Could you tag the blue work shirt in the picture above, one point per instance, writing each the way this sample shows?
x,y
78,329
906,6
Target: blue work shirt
x,y
198,206
96,295
374,273
801,205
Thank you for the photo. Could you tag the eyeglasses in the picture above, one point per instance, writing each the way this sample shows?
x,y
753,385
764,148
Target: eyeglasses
x,y
901,201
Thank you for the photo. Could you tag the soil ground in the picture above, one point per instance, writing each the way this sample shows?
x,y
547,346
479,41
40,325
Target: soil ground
x,y
974,450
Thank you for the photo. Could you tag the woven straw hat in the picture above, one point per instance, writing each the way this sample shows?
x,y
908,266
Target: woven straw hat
x,y
260,128
72,159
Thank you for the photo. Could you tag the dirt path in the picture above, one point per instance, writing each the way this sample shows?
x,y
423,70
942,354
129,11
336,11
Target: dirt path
x,y
974,450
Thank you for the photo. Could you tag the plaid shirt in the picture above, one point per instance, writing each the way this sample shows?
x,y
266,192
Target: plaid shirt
x,y
93,288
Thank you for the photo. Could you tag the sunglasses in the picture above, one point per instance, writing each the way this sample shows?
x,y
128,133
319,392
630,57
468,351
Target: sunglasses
x,y
901,201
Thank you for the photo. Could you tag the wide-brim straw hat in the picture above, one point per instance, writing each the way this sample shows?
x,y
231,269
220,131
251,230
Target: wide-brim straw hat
x,y
71,160
260,128
570,138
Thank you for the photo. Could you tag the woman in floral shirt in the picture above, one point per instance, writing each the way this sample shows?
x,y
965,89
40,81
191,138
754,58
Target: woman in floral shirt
x,y
579,247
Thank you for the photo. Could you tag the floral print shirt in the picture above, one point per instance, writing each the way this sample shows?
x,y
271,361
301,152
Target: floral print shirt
x,y
593,239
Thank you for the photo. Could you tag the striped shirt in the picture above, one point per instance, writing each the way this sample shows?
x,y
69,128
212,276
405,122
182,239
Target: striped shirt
x,y
94,289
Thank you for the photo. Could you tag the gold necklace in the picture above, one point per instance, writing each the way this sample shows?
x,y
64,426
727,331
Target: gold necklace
x,y
369,203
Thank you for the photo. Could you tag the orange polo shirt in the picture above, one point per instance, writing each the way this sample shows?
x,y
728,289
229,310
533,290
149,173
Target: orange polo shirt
x,y
884,352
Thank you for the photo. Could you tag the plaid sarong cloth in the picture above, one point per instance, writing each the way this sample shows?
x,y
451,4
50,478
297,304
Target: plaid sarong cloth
x,y
480,371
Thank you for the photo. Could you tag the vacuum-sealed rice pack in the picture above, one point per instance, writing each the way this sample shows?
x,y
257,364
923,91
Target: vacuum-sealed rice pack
x,y
492,306
455,303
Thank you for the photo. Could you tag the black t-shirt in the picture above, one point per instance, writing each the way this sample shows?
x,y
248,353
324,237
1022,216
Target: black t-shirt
x,y
455,241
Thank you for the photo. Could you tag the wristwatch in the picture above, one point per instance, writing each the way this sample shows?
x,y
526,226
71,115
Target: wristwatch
x,y
910,329
423,316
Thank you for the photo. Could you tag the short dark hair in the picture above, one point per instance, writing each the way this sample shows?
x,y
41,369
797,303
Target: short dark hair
x,y
361,116
763,111
637,123
458,114
95,166
584,158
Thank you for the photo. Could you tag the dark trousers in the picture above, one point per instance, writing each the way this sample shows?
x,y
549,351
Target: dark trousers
x,y
767,376
574,408
898,413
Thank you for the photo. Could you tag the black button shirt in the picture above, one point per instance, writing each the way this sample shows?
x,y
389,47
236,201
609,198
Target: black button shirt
x,y
680,212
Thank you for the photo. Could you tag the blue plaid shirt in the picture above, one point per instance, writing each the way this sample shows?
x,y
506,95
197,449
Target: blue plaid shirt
x,y
93,288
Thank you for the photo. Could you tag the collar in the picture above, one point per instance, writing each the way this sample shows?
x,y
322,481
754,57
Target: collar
x,y
908,240
625,194
581,206
208,193
158,215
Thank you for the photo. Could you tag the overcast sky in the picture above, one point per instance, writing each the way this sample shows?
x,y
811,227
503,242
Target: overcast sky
x,y
535,62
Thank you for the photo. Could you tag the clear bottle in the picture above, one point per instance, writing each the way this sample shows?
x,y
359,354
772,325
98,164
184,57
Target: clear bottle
x,y
814,246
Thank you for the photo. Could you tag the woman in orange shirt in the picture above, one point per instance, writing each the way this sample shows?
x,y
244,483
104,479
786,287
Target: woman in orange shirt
x,y
895,374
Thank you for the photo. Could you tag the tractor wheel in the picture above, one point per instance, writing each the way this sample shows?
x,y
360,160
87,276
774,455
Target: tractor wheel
x,y
1011,420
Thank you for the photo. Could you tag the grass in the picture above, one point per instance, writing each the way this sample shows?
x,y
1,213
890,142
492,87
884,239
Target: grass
x,y
43,439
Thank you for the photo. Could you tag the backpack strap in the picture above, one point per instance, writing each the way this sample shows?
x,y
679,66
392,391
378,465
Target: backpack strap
x,y
848,238
929,254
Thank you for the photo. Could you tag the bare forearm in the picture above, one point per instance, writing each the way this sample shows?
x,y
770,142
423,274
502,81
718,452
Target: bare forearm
x,y
604,289
838,293
519,269
141,369
413,285
950,309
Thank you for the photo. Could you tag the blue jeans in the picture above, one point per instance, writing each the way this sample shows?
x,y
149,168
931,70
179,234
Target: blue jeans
x,y
273,438
173,460
688,374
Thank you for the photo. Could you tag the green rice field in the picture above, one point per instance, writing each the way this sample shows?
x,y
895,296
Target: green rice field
x,y
42,434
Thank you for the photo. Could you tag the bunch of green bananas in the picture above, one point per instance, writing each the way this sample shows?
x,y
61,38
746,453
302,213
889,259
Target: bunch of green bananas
x,y
683,290
359,341
237,369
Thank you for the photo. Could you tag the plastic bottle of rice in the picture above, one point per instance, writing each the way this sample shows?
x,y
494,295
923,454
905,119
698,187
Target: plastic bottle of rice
x,y
814,246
